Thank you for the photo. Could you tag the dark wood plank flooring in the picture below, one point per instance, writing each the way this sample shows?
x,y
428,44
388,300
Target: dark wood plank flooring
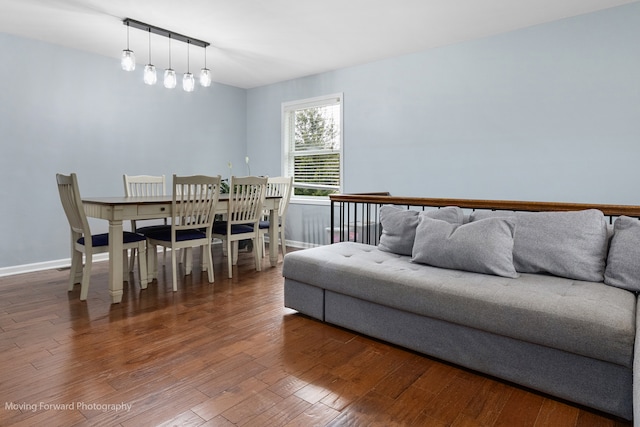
x,y
226,354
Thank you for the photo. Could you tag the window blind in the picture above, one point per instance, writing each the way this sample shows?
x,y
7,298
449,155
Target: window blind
x,y
313,145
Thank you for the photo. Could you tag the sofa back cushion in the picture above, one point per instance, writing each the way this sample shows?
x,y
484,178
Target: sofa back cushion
x,y
623,261
565,244
399,226
484,246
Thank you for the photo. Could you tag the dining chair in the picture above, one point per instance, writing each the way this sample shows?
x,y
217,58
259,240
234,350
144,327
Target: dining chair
x,y
83,242
280,186
145,185
192,214
244,211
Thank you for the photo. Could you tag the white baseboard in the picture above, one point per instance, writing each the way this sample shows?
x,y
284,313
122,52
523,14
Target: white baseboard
x,y
66,263
301,245
45,265
295,244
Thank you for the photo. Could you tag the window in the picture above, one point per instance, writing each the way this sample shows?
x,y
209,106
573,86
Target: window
x,y
312,145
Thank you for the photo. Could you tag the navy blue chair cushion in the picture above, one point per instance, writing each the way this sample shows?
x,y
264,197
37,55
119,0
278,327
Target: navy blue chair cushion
x,y
153,229
265,224
103,239
220,227
181,235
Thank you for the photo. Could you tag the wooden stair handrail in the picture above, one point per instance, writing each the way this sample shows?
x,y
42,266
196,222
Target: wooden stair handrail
x,y
382,198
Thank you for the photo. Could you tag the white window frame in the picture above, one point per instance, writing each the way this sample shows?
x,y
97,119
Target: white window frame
x,y
290,106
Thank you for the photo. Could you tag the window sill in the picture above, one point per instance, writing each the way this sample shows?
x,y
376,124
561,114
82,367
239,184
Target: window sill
x,y
320,201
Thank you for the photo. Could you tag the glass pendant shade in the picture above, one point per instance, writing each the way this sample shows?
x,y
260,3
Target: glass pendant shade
x,y
150,76
205,77
170,78
188,82
128,60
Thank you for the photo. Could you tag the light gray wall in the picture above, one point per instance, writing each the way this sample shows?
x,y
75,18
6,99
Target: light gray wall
x,y
545,113
549,113
63,110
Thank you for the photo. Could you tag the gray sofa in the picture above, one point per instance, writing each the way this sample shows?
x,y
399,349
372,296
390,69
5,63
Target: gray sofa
x,y
543,299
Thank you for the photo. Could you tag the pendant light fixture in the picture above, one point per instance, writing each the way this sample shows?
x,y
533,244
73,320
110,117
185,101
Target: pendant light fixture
x,y
150,76
169,73
170,79
188,82
128,60
205,73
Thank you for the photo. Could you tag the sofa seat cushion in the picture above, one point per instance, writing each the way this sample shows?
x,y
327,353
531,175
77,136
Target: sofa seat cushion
x,y
585,318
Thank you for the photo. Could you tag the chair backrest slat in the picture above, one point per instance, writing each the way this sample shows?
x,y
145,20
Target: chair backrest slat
x,y
194,200
280,186
72,203
144,185
246,199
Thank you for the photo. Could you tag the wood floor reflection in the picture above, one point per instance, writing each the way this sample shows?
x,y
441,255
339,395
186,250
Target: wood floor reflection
x,y
225,354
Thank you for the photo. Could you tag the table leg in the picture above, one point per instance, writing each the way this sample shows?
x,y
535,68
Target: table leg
x,y
115,261
273,237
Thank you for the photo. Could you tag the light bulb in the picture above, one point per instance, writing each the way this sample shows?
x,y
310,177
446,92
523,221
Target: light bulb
x,y
150,76
169,78
128,61
205,77
188,82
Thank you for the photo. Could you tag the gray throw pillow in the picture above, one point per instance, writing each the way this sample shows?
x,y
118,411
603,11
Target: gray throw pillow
x,y
566,244
484,246
623,263
399,226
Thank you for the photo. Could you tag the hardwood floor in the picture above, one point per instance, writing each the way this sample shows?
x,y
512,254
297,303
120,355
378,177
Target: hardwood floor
x,y
226,354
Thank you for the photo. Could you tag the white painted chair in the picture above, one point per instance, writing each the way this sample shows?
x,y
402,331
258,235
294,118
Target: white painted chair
x,y
277,186
193,212
145,185
246,200
83,242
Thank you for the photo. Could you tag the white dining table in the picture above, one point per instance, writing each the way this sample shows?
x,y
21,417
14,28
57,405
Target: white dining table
x,y
119,209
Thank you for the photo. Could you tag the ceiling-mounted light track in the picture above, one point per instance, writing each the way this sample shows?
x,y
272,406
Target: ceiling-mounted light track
x,y
166,33
169,76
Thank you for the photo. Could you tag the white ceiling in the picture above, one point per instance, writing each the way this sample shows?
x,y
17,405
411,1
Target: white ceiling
x,y
258,42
